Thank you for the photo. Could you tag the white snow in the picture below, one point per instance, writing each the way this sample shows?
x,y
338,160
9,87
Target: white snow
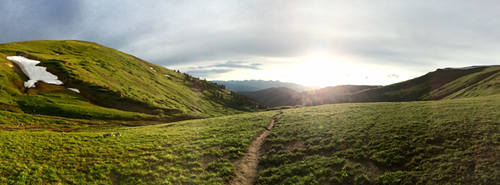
x,y
74,90
152,69
34,73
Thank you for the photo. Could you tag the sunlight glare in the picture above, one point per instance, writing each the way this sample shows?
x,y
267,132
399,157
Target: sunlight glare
x,y
317,69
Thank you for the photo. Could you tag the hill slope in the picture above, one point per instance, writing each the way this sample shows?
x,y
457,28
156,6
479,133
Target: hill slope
x,y
109,81
439,84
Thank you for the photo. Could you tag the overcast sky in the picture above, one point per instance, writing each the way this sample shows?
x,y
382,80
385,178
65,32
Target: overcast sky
x,y
310,42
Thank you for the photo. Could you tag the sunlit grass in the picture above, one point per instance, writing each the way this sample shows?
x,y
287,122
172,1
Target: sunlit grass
x,y
431,142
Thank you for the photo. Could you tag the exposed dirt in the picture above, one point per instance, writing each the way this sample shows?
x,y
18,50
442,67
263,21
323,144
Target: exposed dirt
x,y
246,167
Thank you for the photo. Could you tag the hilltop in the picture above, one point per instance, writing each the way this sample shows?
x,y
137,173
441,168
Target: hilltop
x,y
105,83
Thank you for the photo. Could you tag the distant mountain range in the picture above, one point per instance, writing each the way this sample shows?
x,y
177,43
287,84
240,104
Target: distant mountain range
x,y
444,83
256,85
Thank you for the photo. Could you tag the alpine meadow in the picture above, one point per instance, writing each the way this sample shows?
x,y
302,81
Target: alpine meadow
x,y
244,93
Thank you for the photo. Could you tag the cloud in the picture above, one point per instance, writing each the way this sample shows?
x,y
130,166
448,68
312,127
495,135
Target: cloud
x,y
34,20
207,72
416,35
392,76
219,68
238,65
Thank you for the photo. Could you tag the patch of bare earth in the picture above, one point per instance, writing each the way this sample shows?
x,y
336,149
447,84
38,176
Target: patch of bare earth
x,y
246,167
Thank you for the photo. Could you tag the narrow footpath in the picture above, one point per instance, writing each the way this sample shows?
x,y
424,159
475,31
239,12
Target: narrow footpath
x,y
246,167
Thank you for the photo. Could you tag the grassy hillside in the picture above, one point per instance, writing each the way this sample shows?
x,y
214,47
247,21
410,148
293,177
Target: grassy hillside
x,y
483,83
111,82
437,85
432,142
427,142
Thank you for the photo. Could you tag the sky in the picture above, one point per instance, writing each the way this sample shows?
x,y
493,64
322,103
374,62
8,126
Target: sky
x,y
316,43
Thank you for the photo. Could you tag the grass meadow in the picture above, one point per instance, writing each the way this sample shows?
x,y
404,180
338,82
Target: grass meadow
x,y
426,142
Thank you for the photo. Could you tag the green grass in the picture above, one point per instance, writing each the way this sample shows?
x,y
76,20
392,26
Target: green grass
x,y
112,79
188,152
430,142
485,83
433,86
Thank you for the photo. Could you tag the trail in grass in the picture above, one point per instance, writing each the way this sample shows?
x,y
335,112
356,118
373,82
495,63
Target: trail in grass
x,y
246,168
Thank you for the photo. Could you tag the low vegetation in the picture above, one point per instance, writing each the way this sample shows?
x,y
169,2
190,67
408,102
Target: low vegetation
x,y
430,142
187,152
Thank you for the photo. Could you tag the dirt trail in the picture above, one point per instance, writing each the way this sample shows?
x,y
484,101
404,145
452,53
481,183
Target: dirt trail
x,y
246,167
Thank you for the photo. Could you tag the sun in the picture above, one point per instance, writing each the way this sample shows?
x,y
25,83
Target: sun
x,y
317,69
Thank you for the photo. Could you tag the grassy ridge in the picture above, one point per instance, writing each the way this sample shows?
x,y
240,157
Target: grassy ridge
x,y
433,142
485,83
426,87
109,78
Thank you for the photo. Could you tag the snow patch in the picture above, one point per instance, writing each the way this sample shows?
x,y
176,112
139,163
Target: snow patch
x,y
34,73
74,90
152,69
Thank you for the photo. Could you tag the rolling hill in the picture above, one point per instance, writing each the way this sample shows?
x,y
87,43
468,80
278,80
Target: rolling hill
x,y
105,84
447,83
439,84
